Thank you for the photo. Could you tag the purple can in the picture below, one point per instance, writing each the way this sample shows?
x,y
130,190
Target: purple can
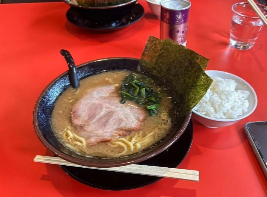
x,y
174,20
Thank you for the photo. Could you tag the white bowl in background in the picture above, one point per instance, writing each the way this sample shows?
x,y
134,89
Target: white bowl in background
x,y
154,6
241,85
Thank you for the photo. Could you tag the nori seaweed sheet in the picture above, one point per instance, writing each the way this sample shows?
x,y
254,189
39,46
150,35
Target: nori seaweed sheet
x,y
150,54
179,68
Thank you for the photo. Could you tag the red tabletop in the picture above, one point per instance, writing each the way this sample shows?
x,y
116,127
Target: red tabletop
x,y
31,36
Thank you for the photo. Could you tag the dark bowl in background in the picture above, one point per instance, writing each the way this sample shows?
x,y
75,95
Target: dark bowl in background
x,y
99,8
103,14
44,107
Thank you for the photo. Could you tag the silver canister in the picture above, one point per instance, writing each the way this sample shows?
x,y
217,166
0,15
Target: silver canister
x,y
174,20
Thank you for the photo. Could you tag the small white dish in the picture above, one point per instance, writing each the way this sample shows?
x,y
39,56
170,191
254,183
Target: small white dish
x,y
241,85
154,6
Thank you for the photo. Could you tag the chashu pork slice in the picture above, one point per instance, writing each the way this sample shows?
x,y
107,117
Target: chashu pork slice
x,y
99,115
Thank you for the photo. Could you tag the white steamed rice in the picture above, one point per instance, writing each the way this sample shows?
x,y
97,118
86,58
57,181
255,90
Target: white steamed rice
x,y
223,101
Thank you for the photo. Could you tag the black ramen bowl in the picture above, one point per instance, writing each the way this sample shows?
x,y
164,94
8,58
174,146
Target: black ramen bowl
x,y
44,107
103,14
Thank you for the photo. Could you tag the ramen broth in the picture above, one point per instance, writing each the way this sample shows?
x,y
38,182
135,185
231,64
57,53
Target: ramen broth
x,y
153,129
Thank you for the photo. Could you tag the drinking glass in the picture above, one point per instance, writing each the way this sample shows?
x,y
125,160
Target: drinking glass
x,y
246,25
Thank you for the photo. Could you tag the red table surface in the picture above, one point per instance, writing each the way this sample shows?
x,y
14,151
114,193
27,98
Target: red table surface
x,y
31,36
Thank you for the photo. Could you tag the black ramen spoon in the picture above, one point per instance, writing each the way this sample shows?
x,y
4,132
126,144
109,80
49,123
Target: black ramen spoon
x,y
74,80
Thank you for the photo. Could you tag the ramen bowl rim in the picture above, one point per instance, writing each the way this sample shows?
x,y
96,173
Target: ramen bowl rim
x,y
143,157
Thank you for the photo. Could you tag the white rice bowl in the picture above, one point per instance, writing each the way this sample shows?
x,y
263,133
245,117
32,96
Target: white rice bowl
x,y
154,6
228,100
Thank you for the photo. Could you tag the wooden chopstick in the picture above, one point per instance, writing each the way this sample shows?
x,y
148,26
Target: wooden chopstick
x,y
258,11
191,175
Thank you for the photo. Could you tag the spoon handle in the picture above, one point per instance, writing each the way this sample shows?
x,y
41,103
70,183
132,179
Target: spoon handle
x,y
74,80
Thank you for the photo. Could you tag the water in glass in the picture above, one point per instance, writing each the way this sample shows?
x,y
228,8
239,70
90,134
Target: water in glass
x,y
244,32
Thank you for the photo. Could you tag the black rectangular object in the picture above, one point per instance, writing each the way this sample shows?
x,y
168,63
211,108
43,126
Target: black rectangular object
x,y
257,135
